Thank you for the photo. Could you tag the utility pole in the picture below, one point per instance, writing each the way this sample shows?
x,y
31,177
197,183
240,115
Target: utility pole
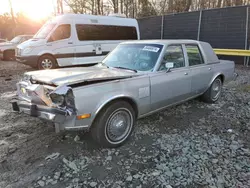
x,y
13,18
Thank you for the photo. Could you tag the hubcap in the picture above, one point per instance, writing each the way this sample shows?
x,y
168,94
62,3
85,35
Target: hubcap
x,y
46,64
216,89
118,126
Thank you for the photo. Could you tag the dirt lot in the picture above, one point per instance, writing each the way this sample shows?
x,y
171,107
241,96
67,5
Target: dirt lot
x,y
191,145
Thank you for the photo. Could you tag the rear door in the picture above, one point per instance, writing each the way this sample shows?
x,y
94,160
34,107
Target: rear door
x,y
174,86
61,44
201,73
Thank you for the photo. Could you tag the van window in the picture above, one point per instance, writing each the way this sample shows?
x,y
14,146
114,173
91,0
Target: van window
x,y
61,32
105,32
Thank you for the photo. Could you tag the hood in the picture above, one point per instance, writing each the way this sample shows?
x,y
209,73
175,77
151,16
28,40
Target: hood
x,y
78,74
32,42
6,44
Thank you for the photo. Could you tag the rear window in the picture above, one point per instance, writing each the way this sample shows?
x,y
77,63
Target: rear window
x,y
105,32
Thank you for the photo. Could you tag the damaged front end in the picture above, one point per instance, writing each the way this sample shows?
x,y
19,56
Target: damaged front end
x,y
49,102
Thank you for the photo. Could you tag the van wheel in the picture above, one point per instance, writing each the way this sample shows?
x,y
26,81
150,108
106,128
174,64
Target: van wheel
x,y
8,55
47,62
214,91
114,124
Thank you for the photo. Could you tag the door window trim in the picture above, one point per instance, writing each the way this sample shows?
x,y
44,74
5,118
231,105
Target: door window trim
x,y
203,61
183,52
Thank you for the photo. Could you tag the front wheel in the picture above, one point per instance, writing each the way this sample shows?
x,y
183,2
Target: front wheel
x,y
114,124
214,91
47,62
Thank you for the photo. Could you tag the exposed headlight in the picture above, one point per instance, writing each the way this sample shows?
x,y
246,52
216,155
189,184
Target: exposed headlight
x,y
57,99
69,98
27,50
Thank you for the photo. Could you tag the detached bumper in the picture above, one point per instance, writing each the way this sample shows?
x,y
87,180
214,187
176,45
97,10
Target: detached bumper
x,y
28,60
50,114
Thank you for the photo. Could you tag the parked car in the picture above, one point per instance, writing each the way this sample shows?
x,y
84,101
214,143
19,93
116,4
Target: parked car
x,y
135,80
74,39
7,49
2,40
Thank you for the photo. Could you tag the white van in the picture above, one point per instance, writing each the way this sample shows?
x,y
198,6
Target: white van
x,y
75,39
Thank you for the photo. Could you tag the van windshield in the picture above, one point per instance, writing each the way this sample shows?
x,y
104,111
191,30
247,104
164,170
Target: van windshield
x,y
44,31
16,40
137,57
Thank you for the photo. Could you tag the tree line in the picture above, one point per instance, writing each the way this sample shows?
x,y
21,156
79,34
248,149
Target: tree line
x,y
12,24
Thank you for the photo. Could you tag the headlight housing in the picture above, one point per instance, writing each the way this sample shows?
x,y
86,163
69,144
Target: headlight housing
x,y
57,99
27,50
63,96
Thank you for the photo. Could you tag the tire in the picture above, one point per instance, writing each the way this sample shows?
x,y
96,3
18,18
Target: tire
x,y
214,91
103,130
8,55
47,62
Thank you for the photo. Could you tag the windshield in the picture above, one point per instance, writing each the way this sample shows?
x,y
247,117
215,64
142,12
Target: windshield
x,y
16,40
44,31
138,57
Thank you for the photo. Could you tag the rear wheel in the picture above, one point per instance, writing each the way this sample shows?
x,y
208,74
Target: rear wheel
x,y
114,124
214,91
47,62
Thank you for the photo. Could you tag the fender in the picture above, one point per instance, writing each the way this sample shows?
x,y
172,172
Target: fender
x,y
214,77
113,98
41,53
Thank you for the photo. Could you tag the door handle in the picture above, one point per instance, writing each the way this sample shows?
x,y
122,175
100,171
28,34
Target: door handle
x,y
185,73
209,68
70,42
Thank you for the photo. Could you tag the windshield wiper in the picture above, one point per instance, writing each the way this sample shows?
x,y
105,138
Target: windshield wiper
x,y
126,68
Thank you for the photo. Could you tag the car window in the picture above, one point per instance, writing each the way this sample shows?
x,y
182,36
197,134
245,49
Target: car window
x,y
61,32
173,54
194,55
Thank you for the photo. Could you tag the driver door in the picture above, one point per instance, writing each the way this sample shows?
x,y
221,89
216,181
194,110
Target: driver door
x,y
173,86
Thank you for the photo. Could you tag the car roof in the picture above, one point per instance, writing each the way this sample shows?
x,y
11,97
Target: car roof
x,y
163,41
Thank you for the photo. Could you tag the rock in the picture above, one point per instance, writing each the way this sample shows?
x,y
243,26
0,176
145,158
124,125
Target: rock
x,y
44,178
143,149
70,164
53,156
93,184
41,183
117,153
156,173
54,182
237,167
214,161
109,152
57,175
109,158
136,176
139,186
168,186
77,138
129,178
169,173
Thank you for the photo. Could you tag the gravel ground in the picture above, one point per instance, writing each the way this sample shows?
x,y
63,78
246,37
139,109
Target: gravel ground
x,y
190,145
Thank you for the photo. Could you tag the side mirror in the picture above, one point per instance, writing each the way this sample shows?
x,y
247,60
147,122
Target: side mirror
x,y
169,65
